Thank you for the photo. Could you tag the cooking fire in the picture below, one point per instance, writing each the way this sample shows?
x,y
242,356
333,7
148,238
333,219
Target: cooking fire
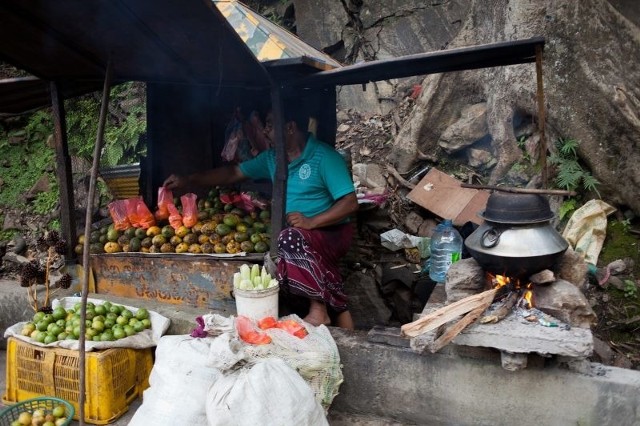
x,y
517,296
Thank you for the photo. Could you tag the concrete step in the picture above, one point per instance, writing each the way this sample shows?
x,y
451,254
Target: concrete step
x,y
391,384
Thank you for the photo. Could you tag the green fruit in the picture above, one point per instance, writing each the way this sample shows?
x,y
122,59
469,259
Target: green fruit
x,y
94,237
107,336
158,240
59,313
264,215
38,316
113,235
96,248
49,338
42,325
108,323
168,232
135,244
231,220
247,246
119,333
100,310
130,232
126,314
138,327
140,233
222,229
146,242
121,321
142,314
261,247
98,326
116,309
146,322
129,331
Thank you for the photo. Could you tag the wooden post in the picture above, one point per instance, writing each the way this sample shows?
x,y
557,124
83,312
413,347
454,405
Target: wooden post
x,y
63,171
279,197
97,149
541,117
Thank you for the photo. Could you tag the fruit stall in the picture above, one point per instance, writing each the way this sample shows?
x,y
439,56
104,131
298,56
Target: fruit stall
x,y
171,262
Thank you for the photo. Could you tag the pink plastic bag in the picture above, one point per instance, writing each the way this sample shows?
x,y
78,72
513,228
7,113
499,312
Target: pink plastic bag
x,y
165,197
138,213
118,212
189,210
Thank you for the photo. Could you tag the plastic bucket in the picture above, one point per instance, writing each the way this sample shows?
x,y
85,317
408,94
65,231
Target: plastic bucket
x,y
257,304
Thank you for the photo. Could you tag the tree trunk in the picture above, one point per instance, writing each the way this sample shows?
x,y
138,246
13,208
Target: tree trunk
x,y
591,81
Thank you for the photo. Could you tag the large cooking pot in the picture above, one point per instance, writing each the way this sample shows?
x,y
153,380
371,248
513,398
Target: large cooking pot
x,y
516,239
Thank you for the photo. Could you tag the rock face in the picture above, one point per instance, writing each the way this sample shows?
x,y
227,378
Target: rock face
x,y
464,278
355,31
590,72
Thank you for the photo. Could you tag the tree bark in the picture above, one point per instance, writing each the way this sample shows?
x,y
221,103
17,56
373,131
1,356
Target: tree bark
x,y
591,82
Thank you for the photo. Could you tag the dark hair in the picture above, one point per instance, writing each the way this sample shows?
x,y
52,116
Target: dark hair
x,y
296,112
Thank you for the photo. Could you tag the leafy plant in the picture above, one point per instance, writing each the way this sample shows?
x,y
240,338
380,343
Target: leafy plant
x,y
567,207
571,175
630,289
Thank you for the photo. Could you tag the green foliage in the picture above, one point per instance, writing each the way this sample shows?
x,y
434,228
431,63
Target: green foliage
x,y
125,125
567,207
521,142
571,175
46,202
25,161
630,289
26,154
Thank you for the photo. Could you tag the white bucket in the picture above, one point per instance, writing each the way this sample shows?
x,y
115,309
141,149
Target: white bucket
x,y
257,304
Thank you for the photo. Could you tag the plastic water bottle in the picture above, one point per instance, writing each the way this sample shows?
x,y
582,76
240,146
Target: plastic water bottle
x,y
446,248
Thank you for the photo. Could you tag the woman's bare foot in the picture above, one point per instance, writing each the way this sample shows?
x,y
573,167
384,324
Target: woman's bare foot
x,y
317,314
344,320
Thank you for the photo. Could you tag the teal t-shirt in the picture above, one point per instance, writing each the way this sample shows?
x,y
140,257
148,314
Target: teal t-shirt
x,y
316,179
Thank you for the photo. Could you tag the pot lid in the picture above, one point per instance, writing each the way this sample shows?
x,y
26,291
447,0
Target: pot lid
x,y
516,208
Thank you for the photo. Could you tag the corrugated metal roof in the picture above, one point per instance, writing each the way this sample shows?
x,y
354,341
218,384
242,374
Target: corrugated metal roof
x,y
266,40
164,41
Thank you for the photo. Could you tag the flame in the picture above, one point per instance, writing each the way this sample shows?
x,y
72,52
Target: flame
x,y
528,296
499,281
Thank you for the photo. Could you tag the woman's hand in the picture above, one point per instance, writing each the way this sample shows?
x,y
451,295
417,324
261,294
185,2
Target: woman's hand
x,y
298,220
175,182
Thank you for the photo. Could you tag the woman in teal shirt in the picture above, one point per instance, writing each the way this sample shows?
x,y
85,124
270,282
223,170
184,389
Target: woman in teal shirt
x,y
320,199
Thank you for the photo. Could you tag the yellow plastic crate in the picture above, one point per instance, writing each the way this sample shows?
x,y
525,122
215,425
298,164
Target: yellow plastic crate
x,y
114,377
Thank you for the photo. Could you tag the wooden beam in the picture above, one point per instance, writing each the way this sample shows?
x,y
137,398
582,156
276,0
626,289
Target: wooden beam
x,y
279,196
97,150
541,117
63,171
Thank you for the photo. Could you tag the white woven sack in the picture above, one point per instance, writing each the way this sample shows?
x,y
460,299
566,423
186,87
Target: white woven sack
x,y
270,393
179,383
315,357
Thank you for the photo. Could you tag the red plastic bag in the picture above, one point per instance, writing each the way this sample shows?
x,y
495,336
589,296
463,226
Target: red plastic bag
x,y
175,218
165,197
118,212
138,213
189,210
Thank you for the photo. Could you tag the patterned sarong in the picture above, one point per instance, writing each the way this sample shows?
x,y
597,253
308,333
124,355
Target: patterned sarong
x,y
308,263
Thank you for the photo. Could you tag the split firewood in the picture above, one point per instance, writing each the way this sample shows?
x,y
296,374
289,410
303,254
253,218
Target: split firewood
x,y
457,328
447,313
506,305
543,277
